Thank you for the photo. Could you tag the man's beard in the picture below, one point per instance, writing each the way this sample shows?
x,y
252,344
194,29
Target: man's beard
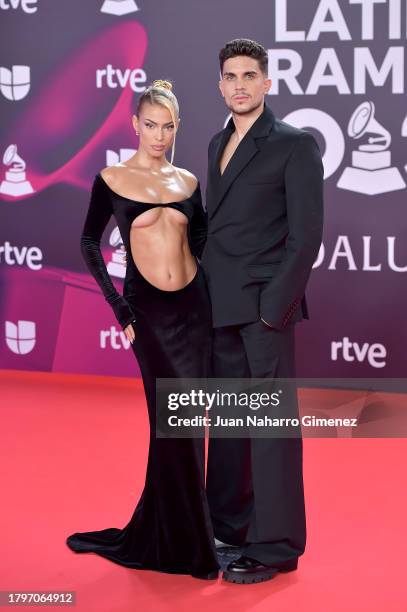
x,y
247,111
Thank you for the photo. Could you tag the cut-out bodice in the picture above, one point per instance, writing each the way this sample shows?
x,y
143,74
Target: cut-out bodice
x,y
136,207
104,202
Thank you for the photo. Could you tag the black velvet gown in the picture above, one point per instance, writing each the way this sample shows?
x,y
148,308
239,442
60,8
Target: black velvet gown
x,y
170,529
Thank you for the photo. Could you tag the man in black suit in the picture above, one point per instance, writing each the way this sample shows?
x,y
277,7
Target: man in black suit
x,y
265,208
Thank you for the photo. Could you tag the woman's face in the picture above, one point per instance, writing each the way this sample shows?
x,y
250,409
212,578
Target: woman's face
x,y
156,129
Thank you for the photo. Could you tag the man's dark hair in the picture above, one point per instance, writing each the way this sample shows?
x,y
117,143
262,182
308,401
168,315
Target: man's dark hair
x,y
244,46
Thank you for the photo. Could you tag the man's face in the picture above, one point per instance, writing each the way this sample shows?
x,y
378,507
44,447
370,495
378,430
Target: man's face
x,y
243,84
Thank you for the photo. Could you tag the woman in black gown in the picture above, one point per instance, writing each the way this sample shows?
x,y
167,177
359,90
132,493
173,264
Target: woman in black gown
x,y
165,312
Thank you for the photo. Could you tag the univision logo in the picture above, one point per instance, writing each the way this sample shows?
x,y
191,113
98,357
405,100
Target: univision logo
x,y
15,83
20,338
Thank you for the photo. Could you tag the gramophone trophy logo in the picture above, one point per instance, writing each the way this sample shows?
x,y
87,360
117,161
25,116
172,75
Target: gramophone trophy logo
x,y
371,172
119,7
117,266
15,183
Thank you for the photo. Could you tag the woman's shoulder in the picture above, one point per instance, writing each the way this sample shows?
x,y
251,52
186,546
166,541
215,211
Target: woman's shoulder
x,y
190,179
111,175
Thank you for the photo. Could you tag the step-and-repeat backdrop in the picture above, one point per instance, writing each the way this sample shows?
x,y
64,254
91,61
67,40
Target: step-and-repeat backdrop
x,y
69,79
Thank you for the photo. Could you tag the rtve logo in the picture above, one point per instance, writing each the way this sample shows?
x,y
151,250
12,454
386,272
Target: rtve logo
x,y
115,77
28,6
20,338
32,256
111,338
15,83
374,353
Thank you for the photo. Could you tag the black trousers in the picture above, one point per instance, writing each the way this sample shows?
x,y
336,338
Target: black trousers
x,y
255,485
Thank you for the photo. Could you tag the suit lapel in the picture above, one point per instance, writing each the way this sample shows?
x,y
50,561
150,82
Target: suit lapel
x,y
223,140
243,154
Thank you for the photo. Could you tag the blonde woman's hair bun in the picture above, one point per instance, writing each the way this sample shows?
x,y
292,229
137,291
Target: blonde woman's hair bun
x,y
163,84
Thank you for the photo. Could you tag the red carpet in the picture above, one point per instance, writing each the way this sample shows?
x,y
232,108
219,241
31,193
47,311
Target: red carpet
x,y
73,459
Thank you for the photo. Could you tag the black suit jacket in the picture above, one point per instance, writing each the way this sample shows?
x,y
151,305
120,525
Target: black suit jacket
x,y
264,223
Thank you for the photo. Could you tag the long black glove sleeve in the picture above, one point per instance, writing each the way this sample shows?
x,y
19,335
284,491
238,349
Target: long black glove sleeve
x,y
198,227
99,213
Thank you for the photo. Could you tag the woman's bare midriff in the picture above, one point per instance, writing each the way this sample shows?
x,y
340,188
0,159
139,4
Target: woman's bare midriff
x,y
160,248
